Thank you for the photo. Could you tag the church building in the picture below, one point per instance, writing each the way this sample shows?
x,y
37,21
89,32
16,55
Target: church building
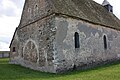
x,y
60,35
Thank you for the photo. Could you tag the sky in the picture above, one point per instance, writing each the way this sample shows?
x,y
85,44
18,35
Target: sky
x,y
10,14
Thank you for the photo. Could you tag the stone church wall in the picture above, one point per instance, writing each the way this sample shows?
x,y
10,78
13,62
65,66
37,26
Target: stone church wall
x,y
93,48
35,48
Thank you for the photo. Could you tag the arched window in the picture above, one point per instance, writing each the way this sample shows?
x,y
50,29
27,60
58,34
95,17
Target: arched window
x,y
77,43
105,42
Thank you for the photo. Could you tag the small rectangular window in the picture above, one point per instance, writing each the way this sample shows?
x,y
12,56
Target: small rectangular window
x,y
14,49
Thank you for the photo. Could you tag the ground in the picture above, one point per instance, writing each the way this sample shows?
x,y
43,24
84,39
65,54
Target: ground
x,y
15,72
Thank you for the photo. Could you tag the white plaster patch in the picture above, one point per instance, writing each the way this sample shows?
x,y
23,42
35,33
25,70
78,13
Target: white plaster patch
x,y
118,55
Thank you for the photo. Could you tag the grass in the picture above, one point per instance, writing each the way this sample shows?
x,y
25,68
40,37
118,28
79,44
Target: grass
x,y
15,72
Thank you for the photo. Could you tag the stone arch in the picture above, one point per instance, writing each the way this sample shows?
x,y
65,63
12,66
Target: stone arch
x,y
30,51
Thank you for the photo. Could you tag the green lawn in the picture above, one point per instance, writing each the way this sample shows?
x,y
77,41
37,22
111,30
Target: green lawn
x,y
15,72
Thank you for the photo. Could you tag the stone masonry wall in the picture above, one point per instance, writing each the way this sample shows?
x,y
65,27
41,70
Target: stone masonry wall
x,y
15,44
34,37
36,45
91,43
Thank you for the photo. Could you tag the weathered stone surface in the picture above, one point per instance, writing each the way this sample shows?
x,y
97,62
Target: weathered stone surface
x,y
91,43
36,45
34,10
30,52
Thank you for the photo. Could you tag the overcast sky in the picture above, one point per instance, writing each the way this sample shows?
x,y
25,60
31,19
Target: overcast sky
x,y
10,13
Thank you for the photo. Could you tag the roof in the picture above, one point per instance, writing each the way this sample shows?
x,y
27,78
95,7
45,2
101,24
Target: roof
x,y
86,10
13,37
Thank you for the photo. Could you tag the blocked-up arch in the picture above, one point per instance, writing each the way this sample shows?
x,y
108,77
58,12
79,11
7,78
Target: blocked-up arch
x,y
30,51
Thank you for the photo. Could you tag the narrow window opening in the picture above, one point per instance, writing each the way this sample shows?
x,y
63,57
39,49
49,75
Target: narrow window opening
x,y
77,43
105,42
14,49
30,13
36,10
22,53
